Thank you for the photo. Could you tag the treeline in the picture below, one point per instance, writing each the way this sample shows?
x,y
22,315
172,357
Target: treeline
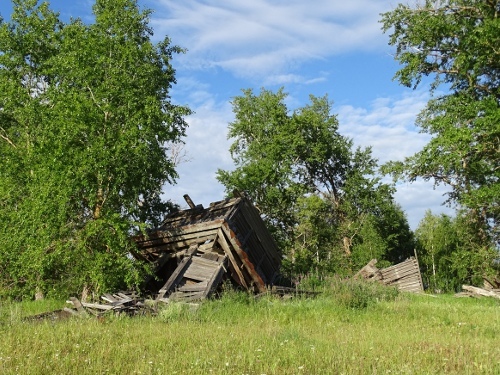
x,y
87,122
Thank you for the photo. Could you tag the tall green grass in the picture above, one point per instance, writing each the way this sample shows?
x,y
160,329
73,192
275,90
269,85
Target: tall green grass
x,y
349,330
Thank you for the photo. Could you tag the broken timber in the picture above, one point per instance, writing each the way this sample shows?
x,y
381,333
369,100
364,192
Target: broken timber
x,y
472,291
405,276
121,302
195,249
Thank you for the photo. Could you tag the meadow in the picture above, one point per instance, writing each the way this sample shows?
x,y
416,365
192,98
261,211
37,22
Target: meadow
x,y
356,330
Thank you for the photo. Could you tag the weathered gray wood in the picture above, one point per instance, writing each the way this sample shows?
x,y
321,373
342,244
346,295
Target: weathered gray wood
x,y
215,280
198,287
187,298
179,238
253,256
109,298
405,275
370,271
480,291
227,250
78,305
97,306
213,256
254,277
201,269
176,276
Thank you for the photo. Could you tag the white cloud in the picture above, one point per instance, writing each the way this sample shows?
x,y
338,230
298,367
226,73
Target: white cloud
x,y
387,126
206,151
267,37
418,197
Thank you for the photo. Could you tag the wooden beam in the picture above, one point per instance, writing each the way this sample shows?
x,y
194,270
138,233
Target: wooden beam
x,y
215,280
242,255
227,250
177,275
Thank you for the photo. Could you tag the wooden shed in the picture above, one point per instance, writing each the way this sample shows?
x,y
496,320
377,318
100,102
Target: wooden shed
x,y
195,249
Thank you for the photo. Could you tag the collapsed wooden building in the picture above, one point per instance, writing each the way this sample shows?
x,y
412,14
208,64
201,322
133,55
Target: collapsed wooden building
x,y
193,251
405,275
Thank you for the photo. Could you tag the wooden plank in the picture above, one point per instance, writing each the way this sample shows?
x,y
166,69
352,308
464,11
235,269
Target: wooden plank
x,y
215,280
188,298
213,256
225,204
207,247
123,297
200,271
196,276
254,276
397,276
227,250
176,276
369,270
109,298
78,305
177,239
180,231
199,287
97,306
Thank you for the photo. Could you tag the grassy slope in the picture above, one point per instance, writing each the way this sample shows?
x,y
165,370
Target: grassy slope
x,y
411,335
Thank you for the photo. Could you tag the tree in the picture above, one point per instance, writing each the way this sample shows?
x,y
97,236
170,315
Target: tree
x,y
85,124
456,42
313,188
450,254
437,240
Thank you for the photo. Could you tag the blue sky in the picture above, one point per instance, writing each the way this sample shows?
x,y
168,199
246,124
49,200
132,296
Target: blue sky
x,y
318,47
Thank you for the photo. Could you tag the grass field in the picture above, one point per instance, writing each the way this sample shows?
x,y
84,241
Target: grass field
x,y
330,334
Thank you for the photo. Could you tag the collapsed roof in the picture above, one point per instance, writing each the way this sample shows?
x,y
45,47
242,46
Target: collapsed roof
x,y
194,250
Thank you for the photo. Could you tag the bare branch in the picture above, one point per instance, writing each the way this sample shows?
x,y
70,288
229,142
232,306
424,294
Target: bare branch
x,y
7,139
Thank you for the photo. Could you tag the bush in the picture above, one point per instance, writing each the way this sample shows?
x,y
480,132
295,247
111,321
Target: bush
x,y
359,294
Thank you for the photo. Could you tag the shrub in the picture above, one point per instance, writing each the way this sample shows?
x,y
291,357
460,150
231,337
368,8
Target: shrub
x,y
359,294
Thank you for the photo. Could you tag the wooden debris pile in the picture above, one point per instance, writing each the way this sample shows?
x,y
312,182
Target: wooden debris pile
x,y
405,276
491,289
195,250
119,303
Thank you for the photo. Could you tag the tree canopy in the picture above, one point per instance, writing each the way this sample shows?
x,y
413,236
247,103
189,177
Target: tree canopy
x,y
319,195
455,42
86,121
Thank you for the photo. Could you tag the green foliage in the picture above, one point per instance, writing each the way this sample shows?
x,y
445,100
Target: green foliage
x,y
456,43
358,294
85,125
175,312
318,194
437,240
451,254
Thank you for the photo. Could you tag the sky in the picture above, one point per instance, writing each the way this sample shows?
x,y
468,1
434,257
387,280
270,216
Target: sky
x,y
318,47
